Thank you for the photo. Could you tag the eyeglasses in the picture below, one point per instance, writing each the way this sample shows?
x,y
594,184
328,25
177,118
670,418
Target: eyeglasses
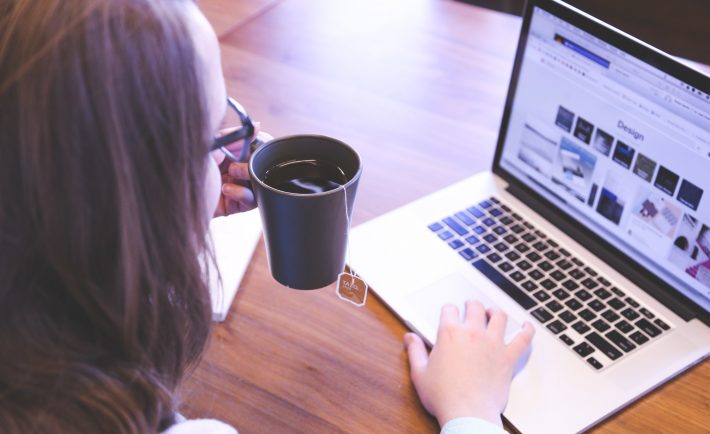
x,y
244,132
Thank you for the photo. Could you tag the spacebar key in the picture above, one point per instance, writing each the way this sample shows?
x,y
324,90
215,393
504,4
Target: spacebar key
x,y
503,283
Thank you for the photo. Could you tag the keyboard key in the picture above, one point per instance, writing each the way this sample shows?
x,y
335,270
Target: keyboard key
x,y
620,341
571,285
540,246
533,256
632,302
624,326
573,304
617,291
529,237
490,238
465,218
589,283
541,314
445,235
495,212
564,252
494,200
554,306
517,276
596,305
494,257
556,326
528,225
483,248
529,285
566,339
639,338
581,327
610,315
661,324
506,220
456,244
435,227
472,239
500,230
510,239
584,349
630,314
604,346
647,313
517,216
512,256
601,325
558,275
501,247
505,208
577,262
552,243
590,271
485,204
517,229
536,274
548,284
583,295
602,293
616,303
524,265
564,264
479,230
467,254
489,222
603,281
595,363
455,226
648,328
522,248
545,266
505,267
568,316
542,296
540,234
552,255
576,273
587,314
560,293
506,285
476,212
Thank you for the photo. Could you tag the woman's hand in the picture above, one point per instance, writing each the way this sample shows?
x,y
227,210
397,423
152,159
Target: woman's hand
x,y
237,195
469,370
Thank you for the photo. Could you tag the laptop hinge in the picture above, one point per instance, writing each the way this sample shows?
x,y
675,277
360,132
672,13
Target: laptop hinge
x,y
664,293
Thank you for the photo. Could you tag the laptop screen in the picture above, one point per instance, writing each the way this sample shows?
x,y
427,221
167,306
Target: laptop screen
x,y
617,144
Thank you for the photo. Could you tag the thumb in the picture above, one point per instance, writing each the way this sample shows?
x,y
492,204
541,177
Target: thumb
x,y
418,356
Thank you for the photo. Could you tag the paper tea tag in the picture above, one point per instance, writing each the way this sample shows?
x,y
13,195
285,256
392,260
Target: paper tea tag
x,y
351,289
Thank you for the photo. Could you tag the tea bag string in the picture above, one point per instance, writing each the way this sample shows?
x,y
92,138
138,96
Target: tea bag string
x,y
347,233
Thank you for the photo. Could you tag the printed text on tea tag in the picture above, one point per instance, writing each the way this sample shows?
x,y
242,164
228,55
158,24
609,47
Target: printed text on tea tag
x,y
352,289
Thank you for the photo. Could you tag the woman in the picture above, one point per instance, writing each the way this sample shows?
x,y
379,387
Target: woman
x,y
108,109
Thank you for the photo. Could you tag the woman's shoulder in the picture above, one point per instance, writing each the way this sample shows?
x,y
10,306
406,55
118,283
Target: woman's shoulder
x,y
200,426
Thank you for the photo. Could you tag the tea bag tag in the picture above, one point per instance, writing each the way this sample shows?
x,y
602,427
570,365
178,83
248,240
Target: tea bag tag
x,y
352,289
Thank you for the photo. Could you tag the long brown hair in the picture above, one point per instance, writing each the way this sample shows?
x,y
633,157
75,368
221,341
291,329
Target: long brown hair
x,y
103,142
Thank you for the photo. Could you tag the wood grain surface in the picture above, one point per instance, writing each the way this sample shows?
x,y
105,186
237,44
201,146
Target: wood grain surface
x,y
417,86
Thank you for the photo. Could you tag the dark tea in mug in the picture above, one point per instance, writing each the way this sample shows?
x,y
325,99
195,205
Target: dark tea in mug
x,y
305,176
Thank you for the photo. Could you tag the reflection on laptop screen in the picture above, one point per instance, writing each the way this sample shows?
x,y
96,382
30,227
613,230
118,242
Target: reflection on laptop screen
x,y
621,146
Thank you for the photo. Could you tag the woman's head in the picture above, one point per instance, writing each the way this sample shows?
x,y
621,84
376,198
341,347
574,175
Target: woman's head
x,y
107,108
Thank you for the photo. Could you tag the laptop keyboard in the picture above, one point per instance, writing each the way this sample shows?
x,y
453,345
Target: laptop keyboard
x,y
584,309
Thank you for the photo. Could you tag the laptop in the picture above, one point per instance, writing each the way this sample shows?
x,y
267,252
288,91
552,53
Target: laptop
x,y
593,224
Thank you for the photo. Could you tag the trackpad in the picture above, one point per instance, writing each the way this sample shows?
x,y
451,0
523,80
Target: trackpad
x,y
454,289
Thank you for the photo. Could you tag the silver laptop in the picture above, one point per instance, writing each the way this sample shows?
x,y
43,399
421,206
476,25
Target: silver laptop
x,y
594,224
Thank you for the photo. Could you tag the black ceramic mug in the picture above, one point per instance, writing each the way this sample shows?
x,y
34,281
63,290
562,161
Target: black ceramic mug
x,y
306,233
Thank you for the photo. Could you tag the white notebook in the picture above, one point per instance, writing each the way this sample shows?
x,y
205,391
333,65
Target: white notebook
x,y
234,238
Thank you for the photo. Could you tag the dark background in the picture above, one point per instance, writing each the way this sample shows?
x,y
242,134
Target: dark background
x,y
678,27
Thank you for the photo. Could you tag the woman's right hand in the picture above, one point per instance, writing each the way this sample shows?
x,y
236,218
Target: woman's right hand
x,y
469,370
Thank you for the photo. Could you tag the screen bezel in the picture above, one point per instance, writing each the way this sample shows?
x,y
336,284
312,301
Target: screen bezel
x,y
644,278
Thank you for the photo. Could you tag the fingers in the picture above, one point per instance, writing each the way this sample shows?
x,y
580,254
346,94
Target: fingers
x,y
475,314
237,198
418,356
521,341
239,171
496,323
449,315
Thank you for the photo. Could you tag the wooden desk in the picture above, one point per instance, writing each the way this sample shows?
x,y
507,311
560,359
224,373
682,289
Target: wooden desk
x,y
418,87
